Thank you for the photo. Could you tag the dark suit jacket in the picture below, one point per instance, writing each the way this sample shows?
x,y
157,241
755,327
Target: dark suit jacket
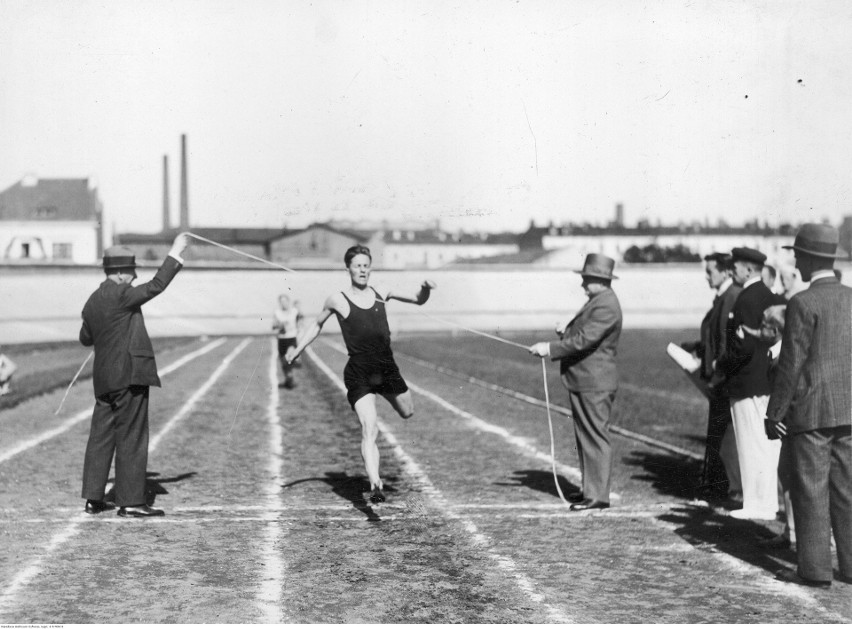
x,y
745,363
588,346
113,323
714,326
813,380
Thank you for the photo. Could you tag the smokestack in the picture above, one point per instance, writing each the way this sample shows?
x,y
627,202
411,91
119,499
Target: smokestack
x,y
619,215
166,210
184,193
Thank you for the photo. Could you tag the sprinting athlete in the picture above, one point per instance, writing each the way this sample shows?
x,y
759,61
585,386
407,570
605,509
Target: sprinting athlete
x,y
371,369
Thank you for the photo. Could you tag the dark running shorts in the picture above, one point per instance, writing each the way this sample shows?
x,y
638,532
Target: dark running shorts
x,y
375,374
283,344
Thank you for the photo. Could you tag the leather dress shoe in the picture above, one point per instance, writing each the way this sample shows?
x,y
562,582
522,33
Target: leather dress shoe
x,y
588,504
791,576
139,511
94,507
779,542
576,496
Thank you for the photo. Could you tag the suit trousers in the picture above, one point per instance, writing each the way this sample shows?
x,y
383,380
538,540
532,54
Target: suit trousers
x,y
721,472
757,454
591,411
120,427
821,491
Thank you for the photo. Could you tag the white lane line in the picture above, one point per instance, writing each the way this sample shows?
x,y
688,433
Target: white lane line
x,y
270,597
421,479
22,578
201,392
618,430
521,443
86,414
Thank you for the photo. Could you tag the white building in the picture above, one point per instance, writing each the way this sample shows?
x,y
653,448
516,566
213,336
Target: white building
x,y
51,220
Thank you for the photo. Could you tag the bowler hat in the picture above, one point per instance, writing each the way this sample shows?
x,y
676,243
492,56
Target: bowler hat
x,y
119,257
748,254
816,240
598,265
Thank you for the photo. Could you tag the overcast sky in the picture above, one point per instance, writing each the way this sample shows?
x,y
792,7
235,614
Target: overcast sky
x,y
483,115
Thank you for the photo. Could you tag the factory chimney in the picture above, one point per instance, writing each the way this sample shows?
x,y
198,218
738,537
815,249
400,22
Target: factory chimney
x,y
166,210
619,215
184,193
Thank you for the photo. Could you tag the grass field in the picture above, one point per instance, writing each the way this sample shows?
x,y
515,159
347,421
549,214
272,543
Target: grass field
x,y
267,522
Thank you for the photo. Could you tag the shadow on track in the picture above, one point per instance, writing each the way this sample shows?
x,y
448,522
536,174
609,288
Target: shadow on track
x,y
542,481
350,488
669,474
713,532
153,486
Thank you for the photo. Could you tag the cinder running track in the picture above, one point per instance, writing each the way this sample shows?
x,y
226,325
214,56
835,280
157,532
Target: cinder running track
x,y
266,521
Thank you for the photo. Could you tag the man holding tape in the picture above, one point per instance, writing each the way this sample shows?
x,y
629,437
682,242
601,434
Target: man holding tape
x,y
123,372
586,351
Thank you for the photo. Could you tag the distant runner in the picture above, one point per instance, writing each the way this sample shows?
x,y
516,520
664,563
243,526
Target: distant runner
x,y
286,323
371,369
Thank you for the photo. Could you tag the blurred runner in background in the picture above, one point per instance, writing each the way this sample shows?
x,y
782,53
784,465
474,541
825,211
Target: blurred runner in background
x,y
285,322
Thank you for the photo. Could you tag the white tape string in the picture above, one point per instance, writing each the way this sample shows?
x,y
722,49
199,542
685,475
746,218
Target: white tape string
x,y
73,380
237,251
550,425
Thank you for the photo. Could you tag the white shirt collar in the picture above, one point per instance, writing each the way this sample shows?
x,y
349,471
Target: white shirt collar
x,y
818,275
753,280
724,286
775,350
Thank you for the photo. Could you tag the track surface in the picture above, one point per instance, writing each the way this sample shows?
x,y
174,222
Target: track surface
x,y
266,519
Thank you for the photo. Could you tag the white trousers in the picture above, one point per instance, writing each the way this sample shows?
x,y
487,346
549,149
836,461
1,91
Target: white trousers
x,y
757,454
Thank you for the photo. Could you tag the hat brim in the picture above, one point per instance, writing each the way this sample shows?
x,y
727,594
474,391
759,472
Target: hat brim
x,y
600,275
816,254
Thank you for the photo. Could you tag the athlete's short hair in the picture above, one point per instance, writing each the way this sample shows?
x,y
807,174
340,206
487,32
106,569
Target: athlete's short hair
x,y
356,250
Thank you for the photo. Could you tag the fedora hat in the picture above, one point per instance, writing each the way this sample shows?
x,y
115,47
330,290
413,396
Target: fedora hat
x,y
119,257
817,240
748,254
598,265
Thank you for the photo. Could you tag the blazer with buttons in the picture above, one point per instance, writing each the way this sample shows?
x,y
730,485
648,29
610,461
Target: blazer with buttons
x,y
812,381
113,323
587,349
745,363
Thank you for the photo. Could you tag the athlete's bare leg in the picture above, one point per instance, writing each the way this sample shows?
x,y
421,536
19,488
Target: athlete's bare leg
x,y
365,408
402,404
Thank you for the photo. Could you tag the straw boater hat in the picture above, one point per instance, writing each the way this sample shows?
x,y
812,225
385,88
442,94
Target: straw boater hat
x,y
816,240
598,265
119,257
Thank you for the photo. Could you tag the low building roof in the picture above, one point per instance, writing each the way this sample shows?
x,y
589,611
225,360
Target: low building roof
x,y
34,199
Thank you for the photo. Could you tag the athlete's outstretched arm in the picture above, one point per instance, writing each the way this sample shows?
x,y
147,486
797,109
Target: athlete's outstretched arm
x,y
420,298
309,333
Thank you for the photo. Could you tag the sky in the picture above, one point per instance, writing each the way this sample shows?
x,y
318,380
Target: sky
x,y
475,115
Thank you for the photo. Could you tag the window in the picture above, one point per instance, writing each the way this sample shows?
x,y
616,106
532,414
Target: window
x,y
62,250
46,211
25,250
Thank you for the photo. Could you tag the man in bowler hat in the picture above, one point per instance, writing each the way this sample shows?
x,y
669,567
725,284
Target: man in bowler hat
x,y
587,350
811,410
123,372
744,366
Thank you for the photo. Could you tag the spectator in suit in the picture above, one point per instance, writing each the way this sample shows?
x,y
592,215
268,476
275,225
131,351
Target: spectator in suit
x,y
745,369
124,370
721,472
587,351
811,407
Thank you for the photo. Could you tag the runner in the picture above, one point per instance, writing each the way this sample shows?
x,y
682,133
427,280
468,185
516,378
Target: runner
x,y
286,324
371,369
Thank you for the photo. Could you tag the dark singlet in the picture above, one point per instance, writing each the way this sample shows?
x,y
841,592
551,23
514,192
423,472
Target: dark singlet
x,y
365,330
